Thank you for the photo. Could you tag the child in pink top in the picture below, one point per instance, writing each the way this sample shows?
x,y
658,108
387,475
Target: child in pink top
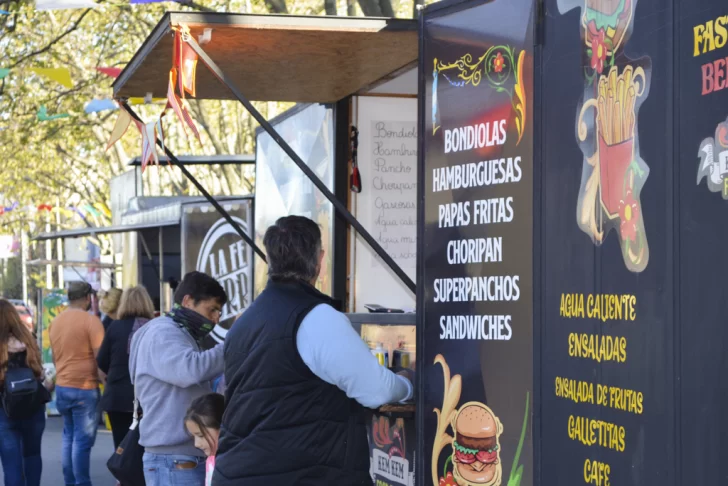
x,y
203,423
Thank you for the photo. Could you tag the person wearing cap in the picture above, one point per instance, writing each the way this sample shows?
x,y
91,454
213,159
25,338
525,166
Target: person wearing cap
x,y
76,336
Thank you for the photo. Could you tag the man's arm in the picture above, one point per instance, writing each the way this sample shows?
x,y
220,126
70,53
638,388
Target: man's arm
x,y
335,353
95,334
178,363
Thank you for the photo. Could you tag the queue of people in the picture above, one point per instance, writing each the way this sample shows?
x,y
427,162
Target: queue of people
x,y
297,377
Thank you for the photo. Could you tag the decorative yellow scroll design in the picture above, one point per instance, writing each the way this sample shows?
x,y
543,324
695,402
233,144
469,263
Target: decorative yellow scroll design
x,y
502,70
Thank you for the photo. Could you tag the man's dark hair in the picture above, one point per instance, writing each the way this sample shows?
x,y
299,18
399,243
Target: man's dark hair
x,y
79,290
293,246
200,286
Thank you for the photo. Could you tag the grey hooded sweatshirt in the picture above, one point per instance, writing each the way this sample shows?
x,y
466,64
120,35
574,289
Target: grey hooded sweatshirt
x,y
169,371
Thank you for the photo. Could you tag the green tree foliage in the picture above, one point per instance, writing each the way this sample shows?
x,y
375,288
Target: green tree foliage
x,y
62,162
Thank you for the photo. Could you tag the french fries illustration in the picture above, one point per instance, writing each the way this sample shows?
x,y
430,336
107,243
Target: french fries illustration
x,y
616,104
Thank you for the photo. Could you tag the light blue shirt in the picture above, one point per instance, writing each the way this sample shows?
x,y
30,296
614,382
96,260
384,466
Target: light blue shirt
x,y
334,352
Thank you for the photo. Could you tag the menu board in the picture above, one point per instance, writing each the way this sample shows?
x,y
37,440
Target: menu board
x,y
476,289
387,204
703,163
607,400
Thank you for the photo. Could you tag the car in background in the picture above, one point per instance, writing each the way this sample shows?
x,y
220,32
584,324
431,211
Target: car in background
x,y
26,315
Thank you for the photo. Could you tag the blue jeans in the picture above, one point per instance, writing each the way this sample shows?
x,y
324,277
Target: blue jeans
x,y
20,448
79,409
172,470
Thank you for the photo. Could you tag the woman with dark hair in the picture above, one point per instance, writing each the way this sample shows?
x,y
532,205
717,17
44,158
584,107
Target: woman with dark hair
x,y
135,310
20,438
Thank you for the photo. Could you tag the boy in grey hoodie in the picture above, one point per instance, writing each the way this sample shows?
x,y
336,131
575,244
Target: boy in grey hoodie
x,y
169,370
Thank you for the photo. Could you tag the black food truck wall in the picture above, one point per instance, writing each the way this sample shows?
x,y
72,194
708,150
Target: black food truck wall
x,y
630,195
632,302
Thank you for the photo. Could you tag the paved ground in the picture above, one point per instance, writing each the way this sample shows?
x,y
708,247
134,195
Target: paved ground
x,y
52,471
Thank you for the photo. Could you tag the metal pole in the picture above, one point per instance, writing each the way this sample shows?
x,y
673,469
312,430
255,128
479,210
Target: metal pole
x,y
162,303
60,243
49,255
203,191
24,262
338,205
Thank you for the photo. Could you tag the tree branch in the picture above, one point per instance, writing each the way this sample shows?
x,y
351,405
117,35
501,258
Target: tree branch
x,y
55,41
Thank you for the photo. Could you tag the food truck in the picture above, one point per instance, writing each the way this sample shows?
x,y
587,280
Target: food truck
x,y
567,181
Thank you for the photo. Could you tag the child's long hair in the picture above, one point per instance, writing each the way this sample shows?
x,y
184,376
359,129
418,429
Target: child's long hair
x,y
206,412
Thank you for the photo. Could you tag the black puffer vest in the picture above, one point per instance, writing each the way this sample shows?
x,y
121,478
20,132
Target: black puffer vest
x,y
283,425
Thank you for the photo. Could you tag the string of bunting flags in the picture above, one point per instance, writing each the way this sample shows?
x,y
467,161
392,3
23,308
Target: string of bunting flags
x,y
182,81
96,210
62,76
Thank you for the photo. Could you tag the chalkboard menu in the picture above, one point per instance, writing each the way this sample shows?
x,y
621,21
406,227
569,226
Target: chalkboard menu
x,y
476,247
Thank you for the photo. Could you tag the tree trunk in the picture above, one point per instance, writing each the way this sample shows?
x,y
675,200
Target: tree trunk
x,y
276,6
377,8
330,7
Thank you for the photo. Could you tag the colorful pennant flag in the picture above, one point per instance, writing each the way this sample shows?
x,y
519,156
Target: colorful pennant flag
x,y
63,4
43,115
120,128
160,131
91,210
45,207
94,106
184,60
4,12
149,142
177,104
59,75
147,1
112,72
104,209
67,213
4,72
188,70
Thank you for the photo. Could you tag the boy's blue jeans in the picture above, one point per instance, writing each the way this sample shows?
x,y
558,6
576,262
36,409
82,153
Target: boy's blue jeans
x,y
173,470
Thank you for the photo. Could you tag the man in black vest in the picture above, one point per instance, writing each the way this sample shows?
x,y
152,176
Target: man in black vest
x,y
299,378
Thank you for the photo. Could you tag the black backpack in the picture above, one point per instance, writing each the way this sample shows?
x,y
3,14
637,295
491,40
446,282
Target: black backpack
x,y
23,395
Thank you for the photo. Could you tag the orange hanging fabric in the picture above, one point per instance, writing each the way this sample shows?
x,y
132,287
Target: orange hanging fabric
x,y
184,60
177,104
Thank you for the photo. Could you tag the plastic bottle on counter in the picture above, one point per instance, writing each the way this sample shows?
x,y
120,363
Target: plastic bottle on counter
x,y
381,354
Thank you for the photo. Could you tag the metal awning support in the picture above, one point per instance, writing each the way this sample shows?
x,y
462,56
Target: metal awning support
x,y
338,205
200,188
69,263
101,230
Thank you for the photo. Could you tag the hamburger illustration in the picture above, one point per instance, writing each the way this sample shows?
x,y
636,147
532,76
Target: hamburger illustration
x,y
476,448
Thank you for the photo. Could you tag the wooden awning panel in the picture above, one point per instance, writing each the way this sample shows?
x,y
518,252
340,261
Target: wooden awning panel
x,y
277,58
